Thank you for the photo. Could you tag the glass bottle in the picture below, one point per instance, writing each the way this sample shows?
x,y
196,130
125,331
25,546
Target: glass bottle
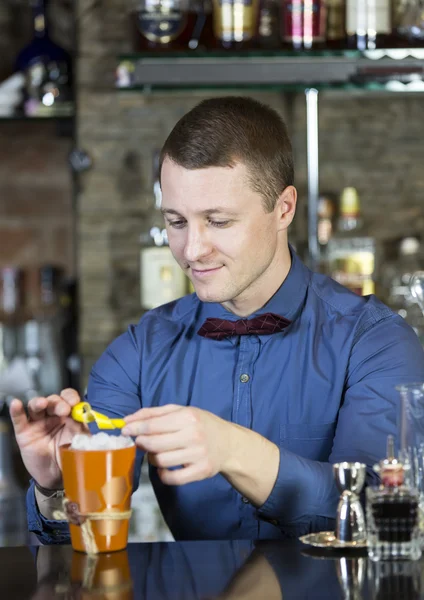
x,y
392,511
326,214
11,310
396,276
48,70
268,25
351,253
369,24
235,23
336,24
303,23
409,22
161,278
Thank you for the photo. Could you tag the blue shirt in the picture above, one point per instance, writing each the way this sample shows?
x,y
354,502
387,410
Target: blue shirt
x,y
323,390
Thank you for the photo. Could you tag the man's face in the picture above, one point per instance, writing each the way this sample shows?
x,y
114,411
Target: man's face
x,y
218,230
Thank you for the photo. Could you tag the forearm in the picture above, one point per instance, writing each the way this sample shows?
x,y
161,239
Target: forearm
x,y
251,465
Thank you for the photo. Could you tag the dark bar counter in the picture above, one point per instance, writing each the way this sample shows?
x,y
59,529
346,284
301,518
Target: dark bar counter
x,y
227,570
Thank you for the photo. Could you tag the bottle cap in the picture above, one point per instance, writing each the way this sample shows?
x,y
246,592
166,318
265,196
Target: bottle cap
x,y
349,202
391,470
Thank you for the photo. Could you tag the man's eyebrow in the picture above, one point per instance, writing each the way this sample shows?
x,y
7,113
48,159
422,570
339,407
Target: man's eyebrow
x,y
206,213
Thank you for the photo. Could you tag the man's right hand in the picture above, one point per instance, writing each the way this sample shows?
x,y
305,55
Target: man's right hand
x,y
39,434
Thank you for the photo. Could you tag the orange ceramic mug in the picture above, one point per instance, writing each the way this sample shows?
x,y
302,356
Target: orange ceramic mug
x,y
97,482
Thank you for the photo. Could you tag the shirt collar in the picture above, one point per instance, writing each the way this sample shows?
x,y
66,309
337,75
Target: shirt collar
x,y
287,301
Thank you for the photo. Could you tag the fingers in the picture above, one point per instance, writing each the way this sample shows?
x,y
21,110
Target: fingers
x,y
18,416
71,396
40,408
166,423
175,458
161,443
194,472
155,411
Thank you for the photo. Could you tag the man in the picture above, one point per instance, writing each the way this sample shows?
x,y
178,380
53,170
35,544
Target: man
x,y
240,419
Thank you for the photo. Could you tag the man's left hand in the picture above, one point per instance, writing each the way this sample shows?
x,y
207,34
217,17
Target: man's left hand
x,y
186,436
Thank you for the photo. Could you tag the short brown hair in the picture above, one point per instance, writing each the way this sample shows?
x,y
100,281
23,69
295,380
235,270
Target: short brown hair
x,y
220,132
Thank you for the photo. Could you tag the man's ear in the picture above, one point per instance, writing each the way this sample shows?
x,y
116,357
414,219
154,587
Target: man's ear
x,y
286,206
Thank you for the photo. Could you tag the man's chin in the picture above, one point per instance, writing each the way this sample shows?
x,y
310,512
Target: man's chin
x,y
210,296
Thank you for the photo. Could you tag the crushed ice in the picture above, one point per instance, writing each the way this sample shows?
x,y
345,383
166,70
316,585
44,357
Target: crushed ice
x,y
100,441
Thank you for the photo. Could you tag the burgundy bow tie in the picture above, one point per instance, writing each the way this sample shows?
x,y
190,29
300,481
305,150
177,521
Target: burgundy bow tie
x,y
218,329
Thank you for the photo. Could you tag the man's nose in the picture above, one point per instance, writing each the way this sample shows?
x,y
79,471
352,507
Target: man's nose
x,y
197,244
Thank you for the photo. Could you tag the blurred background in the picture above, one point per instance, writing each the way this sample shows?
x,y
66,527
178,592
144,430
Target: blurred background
x,y
89,91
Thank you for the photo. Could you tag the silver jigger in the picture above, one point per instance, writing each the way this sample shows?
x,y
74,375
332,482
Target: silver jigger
x,y
350,520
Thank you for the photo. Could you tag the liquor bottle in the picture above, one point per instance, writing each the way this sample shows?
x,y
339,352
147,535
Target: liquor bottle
x,y
303,23
395,276
369,24
161,278
392,513
336,24
48,70
235,23
11,310
43,345
171,26
326,214
351,253
268,28
408,23
50,327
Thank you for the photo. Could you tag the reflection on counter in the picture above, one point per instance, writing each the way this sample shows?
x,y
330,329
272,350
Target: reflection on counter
x,y
228,570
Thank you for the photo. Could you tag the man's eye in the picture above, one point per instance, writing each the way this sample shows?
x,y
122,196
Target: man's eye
x,y
219,223
176,224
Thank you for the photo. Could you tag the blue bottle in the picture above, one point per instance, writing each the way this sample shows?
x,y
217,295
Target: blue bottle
x,y
48,71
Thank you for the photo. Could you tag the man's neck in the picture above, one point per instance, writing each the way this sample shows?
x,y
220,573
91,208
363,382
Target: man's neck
x,y
264,288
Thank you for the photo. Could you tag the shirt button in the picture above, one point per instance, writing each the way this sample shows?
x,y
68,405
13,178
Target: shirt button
x,y
245,500
244,378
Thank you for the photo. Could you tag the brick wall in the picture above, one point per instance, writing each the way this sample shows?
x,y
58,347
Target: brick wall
x,y
36,213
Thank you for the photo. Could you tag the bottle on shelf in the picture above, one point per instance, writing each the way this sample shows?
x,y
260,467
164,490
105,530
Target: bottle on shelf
x,y
49,322
336,25
11,310
408,22
47,68
268,25
16,377
351,253
172,26
325,228
303,24
369,24
395,277
235,23
161,278
392,513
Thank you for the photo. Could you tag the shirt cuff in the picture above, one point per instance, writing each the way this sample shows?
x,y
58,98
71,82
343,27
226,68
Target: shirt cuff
x,y
47,531
303,488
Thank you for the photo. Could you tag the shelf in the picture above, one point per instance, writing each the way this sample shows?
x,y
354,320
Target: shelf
x,y
395,70
23,118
